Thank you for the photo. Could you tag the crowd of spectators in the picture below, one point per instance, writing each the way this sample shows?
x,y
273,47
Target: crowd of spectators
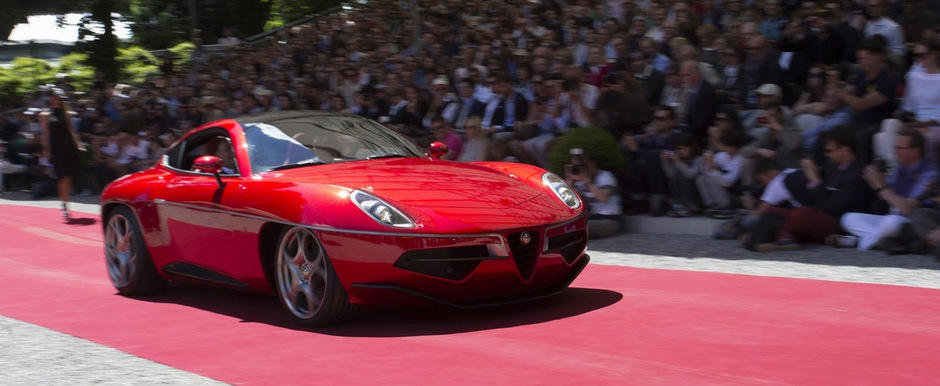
x,y
823,113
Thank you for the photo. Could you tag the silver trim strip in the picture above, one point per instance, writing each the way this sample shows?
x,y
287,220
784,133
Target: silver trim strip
x,y
161,201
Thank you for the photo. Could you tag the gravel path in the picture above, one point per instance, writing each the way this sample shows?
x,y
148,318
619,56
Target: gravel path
x,y
33,355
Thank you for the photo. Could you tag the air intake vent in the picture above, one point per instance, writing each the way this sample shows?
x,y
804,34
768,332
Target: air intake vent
x,y
569,245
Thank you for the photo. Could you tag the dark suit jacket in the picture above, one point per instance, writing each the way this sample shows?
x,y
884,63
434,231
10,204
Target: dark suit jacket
x,y
499,115
702,106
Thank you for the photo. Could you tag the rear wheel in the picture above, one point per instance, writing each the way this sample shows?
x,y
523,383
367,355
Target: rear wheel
x,y
126,257
306,283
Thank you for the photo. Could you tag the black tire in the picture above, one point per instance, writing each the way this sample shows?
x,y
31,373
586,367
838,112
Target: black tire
x,y
138,275
300,279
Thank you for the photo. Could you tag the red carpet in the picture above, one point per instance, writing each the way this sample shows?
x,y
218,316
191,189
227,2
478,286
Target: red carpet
x,y
619,325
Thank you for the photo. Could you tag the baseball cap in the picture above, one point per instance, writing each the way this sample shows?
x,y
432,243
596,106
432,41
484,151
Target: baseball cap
x,y
576,151
440,81
769,89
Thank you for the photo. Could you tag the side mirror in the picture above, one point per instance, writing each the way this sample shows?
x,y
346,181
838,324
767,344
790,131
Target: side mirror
x,y
208,164
437,150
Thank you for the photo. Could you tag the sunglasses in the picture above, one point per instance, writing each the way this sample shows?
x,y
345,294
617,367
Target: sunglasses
x,y
660,118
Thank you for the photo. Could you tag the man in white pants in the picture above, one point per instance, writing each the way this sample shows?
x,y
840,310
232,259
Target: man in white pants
x,y
899,189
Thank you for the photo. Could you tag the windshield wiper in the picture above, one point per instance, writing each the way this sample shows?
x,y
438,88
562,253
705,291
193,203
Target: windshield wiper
x,y
393,155
297,165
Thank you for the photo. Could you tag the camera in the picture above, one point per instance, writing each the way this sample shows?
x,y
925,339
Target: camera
x,y
577,169
880,164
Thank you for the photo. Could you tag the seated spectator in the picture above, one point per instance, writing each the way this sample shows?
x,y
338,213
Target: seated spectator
x,y
8,164
721,175
443,132
599,190
921,107
812,200
682,167
725,119
476,144
827,115
645,152
504,108
926,223
900,189
551,115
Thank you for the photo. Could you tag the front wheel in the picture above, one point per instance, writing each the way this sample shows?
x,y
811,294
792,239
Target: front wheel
x,y
129,265
306,283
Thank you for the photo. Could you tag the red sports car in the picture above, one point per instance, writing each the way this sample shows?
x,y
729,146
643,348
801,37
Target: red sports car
x,y
329,211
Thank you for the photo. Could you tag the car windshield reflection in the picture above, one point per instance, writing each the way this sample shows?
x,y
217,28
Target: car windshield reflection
x,y
304,141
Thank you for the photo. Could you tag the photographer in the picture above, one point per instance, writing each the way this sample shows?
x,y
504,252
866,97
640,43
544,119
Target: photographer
x,y
599,190
899,189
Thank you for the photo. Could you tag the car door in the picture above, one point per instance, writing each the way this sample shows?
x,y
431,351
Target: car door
x,y
196,211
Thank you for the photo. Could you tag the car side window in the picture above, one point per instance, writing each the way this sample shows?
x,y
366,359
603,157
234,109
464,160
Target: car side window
x,y
210,142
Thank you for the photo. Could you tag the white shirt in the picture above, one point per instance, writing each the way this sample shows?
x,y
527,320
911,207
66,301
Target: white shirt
x,y
727,168
612,206
922,95
776,191
890,30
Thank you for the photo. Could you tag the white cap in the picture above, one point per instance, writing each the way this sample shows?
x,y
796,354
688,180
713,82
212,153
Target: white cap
x,y
769,89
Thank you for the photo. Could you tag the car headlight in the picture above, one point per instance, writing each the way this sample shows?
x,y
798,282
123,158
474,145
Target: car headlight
x,y
562,190
380,210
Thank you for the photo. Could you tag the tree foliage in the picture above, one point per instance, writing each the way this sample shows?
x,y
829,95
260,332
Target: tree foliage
x,y
25,75
136,64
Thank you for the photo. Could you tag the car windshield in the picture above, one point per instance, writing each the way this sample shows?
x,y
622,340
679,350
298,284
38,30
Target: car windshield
x,y
303,141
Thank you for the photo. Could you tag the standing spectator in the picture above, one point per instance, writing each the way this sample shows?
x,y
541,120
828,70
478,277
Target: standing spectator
x,y
900,189
702,100
773,22
760,67
880,24
873,99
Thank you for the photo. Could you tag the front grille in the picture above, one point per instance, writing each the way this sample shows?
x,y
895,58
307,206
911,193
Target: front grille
x,y
569,245
525,255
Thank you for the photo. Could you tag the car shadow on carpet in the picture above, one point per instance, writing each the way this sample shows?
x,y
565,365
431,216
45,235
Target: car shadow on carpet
x,y
391,322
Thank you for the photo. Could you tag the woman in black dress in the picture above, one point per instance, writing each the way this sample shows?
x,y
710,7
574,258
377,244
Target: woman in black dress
x,y
61,145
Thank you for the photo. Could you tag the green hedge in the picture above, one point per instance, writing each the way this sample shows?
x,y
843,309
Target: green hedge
x,y
598,143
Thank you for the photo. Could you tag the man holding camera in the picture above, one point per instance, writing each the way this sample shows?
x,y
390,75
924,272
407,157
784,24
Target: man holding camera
x,y
599,190
900,189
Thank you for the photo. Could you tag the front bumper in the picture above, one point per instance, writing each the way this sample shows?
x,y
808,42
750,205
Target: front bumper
x,y
461,270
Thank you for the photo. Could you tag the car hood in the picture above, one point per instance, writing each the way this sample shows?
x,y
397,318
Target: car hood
x,y
419,182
